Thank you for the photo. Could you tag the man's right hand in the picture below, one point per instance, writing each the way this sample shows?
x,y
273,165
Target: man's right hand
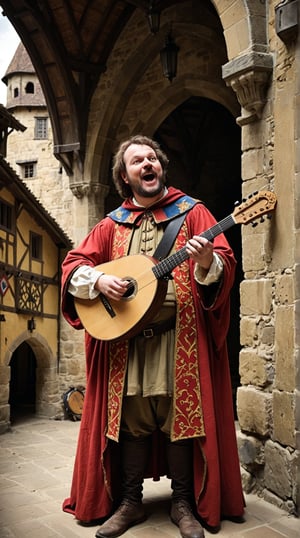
x,y
111,286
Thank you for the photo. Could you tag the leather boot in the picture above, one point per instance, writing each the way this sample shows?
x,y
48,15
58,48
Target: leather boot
x,y
182,516
134,457
127,515
180,463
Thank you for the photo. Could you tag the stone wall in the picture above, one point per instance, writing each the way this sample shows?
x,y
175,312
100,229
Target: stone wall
x,y
269,360
51,184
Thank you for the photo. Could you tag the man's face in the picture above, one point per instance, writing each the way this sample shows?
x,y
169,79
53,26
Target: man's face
x,y
144,173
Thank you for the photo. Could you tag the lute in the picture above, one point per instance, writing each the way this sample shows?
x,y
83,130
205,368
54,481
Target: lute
x,y
106,319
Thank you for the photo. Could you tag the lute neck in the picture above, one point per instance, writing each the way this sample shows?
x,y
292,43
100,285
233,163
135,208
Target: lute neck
x,y
166,266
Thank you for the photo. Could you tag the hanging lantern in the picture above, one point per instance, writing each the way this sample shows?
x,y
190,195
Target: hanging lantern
x,y
168,57
153,16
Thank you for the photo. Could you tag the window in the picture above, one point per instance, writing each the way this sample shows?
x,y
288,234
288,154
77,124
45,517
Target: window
x,y
29,88
16,92
36,246
41,128
29,170
6,216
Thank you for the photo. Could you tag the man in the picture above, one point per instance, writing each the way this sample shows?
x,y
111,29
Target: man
x,y
160,402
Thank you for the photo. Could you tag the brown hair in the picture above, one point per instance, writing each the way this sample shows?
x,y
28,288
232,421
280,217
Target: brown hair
x,y
119,166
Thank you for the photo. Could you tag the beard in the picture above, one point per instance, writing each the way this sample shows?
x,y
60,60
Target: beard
x,y
150,192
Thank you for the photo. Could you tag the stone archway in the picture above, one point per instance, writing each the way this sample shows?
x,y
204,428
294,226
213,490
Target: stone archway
x,y
236,45
39,356
133,97
22,387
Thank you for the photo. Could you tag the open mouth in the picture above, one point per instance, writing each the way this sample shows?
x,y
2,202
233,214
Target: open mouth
x,y
149,176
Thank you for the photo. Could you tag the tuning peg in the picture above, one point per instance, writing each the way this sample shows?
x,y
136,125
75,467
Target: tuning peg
x,y
262,219
269,216
254,224
236,203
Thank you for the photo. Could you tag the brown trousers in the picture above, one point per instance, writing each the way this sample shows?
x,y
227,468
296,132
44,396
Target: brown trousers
x,y
142,416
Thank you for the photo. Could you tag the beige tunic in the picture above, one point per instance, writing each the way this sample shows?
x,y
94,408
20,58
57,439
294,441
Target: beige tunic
x,y
150,361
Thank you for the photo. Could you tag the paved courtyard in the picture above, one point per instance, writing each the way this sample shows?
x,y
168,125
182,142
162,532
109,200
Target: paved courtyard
x,y
36,461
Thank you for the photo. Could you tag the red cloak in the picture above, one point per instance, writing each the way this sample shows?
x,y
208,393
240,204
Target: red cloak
x,y
202,323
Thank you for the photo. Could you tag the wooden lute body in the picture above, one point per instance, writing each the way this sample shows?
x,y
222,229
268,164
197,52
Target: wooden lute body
x,y
115,319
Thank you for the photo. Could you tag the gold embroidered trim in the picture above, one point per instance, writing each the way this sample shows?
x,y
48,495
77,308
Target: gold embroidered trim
x,y
118,351
117,371
187,413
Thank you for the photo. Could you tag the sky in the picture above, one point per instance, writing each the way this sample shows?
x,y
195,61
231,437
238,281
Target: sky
x,y
9,41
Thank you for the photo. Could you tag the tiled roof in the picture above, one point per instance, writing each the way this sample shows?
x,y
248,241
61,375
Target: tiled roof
x,y
21,63
21,66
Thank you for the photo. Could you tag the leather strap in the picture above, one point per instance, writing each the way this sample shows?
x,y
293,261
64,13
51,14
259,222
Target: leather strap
x,y
170,233
155,329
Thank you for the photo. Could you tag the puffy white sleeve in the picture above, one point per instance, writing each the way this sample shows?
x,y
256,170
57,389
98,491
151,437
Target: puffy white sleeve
x,y
82,283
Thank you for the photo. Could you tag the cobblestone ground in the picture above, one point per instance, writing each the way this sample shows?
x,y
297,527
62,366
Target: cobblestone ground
x,y
36,461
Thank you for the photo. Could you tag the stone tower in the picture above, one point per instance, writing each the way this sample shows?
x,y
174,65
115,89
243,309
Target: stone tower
x,y
31,154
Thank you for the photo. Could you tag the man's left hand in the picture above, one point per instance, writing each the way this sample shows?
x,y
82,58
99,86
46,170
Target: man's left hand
x,y
201,251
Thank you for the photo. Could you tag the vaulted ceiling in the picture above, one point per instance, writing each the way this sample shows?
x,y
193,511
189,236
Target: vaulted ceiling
x,y
69,42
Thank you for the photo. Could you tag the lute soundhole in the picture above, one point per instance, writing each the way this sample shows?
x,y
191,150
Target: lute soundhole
x,y
131,289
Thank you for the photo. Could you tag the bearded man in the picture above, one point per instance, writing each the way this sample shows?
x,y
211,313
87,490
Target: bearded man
x,y
158,402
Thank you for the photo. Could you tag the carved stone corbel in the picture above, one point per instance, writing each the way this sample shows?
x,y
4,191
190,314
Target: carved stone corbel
x,y
80,189
249,76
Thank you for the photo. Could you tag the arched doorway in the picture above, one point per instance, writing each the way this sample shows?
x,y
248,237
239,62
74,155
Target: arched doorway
x,y
22,387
